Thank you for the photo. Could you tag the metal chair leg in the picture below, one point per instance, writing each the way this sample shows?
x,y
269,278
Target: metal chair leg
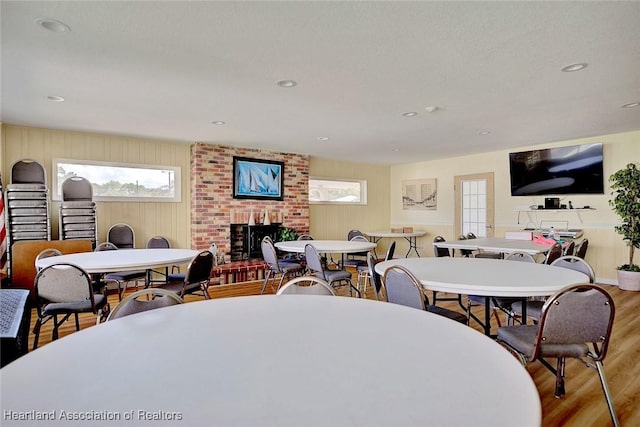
x,y
607,394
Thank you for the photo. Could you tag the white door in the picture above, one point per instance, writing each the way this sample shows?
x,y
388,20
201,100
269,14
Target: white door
x,y
474,204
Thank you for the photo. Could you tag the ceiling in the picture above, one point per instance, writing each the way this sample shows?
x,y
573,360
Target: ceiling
x,y
167,70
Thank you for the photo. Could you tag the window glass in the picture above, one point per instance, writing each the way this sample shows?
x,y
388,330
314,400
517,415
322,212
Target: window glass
x,y
120,182
337,191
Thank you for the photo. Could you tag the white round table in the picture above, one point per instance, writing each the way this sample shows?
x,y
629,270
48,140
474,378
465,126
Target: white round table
x,y
274,361
327,246
410,237
122,259
488,278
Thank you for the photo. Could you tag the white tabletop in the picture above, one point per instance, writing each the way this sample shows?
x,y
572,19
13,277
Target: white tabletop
x,y
487,277
122,259
276,361
496,244
327,246
387,233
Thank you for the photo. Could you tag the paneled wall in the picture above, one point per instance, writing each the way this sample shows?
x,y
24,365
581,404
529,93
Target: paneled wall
x,y
148,219
214,208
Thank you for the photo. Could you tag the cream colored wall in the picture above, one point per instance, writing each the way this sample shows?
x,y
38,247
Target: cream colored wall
x,y
171,220
334,222
606,248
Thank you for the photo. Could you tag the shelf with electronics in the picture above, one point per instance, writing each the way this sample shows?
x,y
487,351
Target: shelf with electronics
x,y
562,230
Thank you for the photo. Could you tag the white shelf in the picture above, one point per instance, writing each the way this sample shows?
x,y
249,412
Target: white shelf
x,y
577,211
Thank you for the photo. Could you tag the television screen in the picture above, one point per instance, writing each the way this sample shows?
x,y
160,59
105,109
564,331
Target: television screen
x,y
576,169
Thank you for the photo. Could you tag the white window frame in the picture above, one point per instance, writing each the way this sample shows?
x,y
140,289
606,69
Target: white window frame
x,y
363,191
175,170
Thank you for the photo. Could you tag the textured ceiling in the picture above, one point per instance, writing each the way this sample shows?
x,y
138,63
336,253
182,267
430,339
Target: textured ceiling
x,y
168,69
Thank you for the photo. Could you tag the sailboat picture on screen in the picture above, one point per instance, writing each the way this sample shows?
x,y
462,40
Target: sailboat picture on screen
x,y
257,179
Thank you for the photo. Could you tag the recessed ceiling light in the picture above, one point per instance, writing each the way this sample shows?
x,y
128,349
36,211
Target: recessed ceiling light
x,y
575,67
409,114
54,98
287,83
53,25
631,105
218,122
484,132
431,109
323,138
395,150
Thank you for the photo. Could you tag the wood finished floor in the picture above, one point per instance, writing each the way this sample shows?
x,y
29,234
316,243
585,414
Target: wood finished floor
x,y
584,403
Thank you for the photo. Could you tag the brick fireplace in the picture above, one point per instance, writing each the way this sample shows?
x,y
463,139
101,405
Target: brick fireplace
x,y
214,210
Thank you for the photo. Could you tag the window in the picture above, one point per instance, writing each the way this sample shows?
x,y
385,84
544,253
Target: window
x,y
337,191
119,182
474,207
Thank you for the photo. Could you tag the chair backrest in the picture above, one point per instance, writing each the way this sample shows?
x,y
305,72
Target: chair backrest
x,y
375,277
62,283
27,171
358,238
158,242
520,256
581,250
471,236
269,254
390,251
153,298
569,248
354,233
465,252
314,263
77,188
578,314
440,251
106,246
488,255
199,268
122,236
46,253
575,263
305,237
403,288
554,253
306,285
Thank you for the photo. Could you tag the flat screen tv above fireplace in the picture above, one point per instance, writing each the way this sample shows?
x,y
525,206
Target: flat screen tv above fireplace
x,y
575,169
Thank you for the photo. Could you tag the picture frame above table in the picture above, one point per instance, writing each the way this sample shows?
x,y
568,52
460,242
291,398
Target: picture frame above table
x,y
258,179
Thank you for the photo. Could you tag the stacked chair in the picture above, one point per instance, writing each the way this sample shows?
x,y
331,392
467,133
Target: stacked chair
x,y
78,211
27,201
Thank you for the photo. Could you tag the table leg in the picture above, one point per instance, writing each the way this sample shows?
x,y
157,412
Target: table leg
x,y
412,245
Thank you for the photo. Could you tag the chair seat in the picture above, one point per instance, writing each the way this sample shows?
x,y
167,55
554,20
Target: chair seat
x,y
177,287
451,314
125,276
176,277
56,308
523,338
288,266
534,308
336,275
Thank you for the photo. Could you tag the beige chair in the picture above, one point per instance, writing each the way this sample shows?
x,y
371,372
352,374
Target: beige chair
x,y
197,278
306,285
62,290
403,288
576,322
135,303
572,262
276,267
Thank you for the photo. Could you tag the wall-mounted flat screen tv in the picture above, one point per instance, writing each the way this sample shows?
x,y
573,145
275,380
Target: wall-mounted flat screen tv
x,y
575,169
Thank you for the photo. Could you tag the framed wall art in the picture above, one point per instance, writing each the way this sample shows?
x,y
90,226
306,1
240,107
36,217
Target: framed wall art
x,y
258,179
419,194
